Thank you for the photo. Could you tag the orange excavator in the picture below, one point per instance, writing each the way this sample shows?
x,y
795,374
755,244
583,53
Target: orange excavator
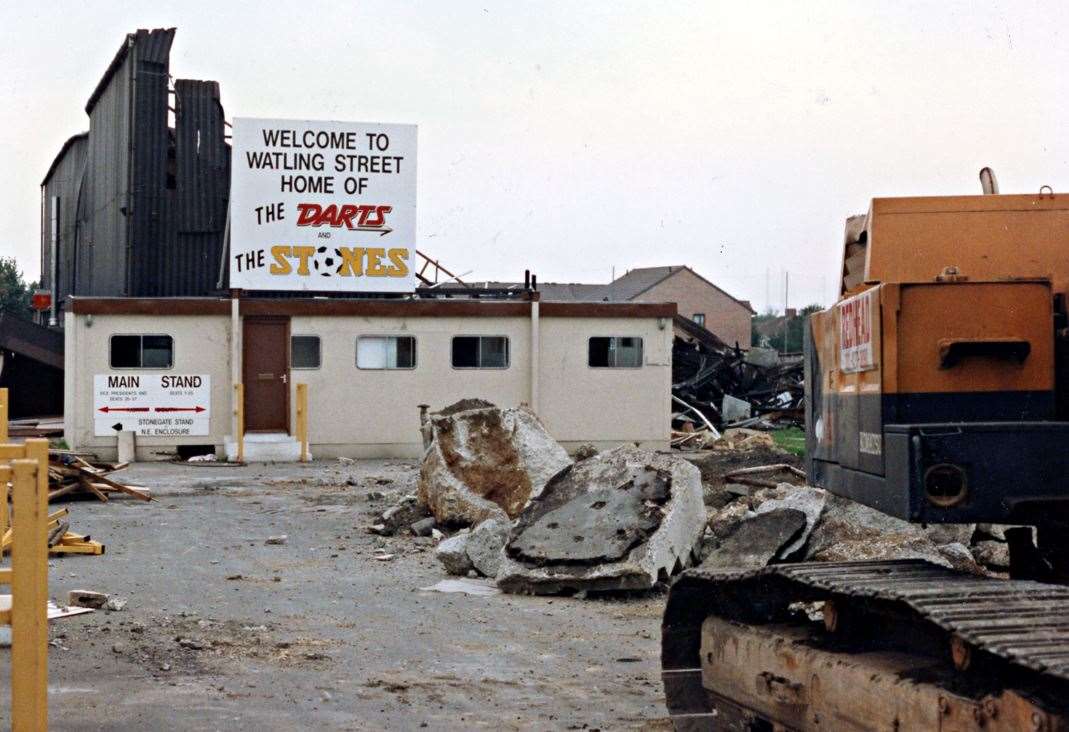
x,y
937,391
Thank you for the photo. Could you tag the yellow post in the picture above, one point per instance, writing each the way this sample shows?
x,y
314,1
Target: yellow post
x,y
3,415
302,420
29,590
239,412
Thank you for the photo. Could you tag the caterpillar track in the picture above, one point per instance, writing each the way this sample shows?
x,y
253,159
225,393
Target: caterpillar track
x,y
896,645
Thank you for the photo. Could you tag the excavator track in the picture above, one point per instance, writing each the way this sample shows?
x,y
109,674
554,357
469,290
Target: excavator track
x,y
925,645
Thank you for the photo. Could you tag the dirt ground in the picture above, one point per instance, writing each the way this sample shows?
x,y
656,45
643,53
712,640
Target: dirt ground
x,y
224,631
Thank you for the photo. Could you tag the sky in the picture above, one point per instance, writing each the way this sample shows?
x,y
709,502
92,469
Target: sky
x,y
578,139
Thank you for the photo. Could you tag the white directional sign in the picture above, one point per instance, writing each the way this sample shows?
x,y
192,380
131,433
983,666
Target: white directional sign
x,y
322,206
152,405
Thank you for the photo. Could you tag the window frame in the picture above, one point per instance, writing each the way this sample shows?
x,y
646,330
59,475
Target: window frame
x,y
415,352
612,350
480,336
319,351
140,351
695,316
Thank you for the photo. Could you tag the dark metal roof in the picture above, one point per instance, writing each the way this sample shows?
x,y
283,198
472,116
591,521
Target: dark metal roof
x,y
63,151
153,45
31,340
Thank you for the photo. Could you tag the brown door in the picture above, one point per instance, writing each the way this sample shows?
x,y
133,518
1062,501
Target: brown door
x,y
266,373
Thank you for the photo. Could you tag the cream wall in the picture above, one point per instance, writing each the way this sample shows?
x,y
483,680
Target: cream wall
x,y
201,346
366,413
377,409
601,405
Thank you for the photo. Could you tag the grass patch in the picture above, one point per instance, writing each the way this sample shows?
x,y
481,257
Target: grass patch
x,y
791,439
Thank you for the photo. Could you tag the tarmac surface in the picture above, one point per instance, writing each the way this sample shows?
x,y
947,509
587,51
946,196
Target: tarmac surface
x,y
224,631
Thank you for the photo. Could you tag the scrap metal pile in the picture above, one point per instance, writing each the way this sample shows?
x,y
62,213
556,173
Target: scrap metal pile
x,y
715,385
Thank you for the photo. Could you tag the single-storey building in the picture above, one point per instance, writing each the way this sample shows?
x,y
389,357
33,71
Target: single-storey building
x,y
166,369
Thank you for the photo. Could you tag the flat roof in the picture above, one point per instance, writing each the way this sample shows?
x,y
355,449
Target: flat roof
x,y
163,306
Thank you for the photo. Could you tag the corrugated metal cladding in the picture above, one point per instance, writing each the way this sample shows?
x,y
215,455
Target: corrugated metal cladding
x,y
65,180
148,209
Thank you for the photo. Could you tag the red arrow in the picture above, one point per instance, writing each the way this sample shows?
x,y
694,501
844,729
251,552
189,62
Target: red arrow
x,y
105,410
180,409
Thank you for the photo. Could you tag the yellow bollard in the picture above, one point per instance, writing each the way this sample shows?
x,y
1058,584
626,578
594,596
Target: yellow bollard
x,y
3,415
239,412
302,420
29,590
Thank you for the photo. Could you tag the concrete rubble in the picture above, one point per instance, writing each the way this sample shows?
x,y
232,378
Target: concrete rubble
x,y
485,462
621,520
835,529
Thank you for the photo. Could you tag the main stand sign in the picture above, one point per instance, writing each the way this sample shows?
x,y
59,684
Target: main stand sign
x,y
322,206
152,405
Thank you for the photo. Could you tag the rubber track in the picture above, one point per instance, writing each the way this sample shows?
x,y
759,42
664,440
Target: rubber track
x,y
1024,623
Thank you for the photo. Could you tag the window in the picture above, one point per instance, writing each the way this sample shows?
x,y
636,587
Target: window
x,y
699,318
142,352
386,352
617,352
480,352
304,352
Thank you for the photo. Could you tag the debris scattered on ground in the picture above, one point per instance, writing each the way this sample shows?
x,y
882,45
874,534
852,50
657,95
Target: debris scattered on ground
x,y
485,462
276,540
467,586
87,598
485,546
585,452
453,553
208,457
70,474
732,387
403,515
617,521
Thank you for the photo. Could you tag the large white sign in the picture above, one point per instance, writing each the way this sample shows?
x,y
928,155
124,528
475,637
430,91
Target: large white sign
x,y
856,318
322,206
152,405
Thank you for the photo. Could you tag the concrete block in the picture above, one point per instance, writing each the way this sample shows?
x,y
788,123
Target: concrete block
x,y
584,538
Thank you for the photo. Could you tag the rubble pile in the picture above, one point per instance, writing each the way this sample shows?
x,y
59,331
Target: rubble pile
x,y
483,462
752,527
732,387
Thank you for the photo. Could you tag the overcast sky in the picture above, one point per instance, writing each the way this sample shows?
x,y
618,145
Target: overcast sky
x,y
574,137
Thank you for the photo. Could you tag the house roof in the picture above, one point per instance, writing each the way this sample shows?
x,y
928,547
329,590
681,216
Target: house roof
x,y
622,289
63,151
640,279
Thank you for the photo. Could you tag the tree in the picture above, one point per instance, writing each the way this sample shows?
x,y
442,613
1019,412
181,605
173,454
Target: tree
x,y
768,330
15,292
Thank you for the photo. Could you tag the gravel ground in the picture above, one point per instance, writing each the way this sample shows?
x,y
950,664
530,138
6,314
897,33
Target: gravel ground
x,y
224,631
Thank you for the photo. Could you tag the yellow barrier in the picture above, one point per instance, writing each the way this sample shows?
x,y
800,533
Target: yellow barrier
x,y
3,415
302,421
239,412
25,469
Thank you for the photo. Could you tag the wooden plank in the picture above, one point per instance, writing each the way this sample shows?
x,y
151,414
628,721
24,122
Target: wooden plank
x,y
29,589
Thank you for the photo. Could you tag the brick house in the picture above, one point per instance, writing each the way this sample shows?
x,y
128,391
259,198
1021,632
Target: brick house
x,y
696,298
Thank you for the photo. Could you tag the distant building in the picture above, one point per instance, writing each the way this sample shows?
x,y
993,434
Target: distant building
x,y
695,297
137,205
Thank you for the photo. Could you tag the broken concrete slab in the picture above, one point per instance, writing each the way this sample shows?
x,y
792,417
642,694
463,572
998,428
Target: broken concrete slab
x,y
732,409
762,357
407,511
994,554
809,501
585,452
486,463
485,546
755,541
849,531
87,598
453,553
618,521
